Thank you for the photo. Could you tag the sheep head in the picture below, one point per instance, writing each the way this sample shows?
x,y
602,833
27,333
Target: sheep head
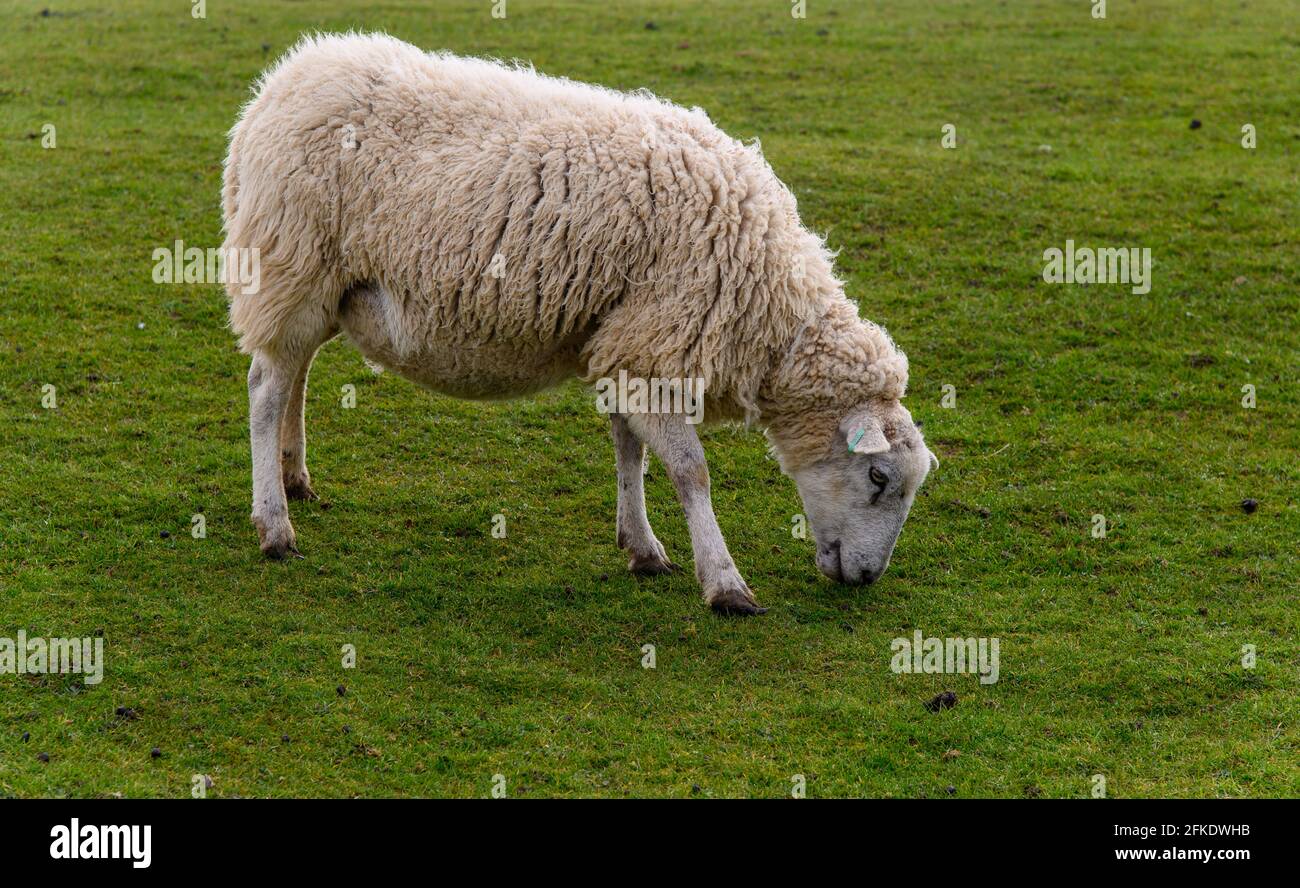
x,y
839,430
859,494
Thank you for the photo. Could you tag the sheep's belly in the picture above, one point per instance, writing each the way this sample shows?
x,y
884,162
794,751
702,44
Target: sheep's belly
x,y
445,363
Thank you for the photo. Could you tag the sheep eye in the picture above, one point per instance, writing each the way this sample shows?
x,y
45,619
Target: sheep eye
x,y
879,479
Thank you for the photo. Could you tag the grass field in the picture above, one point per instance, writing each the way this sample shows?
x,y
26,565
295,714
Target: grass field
x,y
1120,656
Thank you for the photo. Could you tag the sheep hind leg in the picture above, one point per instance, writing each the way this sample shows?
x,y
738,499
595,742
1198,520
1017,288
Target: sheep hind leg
x,y
293,434
634,532
271,381
674,441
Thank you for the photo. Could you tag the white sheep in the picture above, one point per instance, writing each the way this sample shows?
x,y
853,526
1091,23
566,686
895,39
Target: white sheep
x,y
487,231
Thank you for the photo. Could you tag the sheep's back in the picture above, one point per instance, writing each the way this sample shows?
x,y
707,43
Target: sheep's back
x,y
498,203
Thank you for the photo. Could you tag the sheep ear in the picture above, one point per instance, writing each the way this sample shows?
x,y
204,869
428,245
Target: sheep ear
x,y
864,434
934,460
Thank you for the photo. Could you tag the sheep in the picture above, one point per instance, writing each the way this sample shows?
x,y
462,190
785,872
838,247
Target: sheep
x,y
486,232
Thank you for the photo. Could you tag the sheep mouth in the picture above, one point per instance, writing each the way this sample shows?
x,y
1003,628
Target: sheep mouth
x,y
829,561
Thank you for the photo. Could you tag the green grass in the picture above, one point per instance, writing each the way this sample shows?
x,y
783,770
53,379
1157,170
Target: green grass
x,y
521,656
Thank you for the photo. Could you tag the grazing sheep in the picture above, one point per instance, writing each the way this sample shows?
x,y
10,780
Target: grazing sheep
x,y
487,231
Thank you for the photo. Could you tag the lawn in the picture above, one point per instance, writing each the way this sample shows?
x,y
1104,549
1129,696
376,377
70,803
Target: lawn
x,y
521,656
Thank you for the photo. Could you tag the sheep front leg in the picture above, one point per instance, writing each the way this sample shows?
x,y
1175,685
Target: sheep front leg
x,y
678,447
270,388
634,532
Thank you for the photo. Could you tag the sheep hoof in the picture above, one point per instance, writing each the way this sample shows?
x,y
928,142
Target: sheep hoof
x,y
277,543
652,564
281,552
298,487
736,603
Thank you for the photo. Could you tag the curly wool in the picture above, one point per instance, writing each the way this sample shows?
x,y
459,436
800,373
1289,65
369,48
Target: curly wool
x,y
496,206
837,363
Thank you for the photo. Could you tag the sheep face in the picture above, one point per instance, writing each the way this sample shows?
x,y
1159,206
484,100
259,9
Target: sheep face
x,y
858,496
